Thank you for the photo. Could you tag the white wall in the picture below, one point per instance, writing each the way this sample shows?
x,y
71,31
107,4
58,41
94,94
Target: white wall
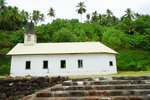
x,y
30,41
92,64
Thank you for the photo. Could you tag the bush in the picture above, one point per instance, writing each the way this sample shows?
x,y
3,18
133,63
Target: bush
x,y
133,60
4,70
139,41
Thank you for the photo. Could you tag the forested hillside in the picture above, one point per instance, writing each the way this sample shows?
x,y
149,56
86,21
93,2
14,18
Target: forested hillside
x,y
129,35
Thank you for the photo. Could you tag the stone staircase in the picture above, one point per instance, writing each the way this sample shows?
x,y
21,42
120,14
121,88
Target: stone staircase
x,y
100,88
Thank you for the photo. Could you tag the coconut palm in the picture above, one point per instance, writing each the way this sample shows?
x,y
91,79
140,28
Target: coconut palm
x,y
109,13
94,16
24,15
42,17
129,14
2,8
14,17
81,9
51,13
37,16
2,4
88,17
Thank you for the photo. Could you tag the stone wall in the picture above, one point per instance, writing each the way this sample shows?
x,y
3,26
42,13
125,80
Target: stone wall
x,y
14,88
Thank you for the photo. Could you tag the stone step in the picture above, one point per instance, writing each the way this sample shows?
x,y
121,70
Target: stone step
x,y
113,78
131,78
93,98
101,87
98,88
82,93
105,82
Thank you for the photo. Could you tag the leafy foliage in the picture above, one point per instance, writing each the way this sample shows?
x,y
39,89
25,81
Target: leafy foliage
x,y
114,38
133,60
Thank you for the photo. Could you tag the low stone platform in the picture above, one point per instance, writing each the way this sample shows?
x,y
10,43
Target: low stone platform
x,y
98,88
14,88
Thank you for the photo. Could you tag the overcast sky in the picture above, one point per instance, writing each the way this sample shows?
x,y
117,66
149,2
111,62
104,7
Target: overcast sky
x,y
66,9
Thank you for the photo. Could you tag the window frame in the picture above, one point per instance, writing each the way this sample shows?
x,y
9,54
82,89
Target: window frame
x,y
110,63
28,65
63,64
45,64
80,63
28,37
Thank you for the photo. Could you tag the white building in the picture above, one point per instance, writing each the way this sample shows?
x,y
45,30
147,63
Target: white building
x,y
64,59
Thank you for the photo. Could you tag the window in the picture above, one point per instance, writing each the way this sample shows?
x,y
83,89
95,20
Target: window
x,y
28,37
63,64
45,64
110,63
80,63
28,64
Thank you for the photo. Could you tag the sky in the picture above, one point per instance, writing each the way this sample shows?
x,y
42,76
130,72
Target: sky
x,y
66,9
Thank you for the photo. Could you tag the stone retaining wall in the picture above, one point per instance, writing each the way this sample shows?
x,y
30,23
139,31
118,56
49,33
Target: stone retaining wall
x,y
14,88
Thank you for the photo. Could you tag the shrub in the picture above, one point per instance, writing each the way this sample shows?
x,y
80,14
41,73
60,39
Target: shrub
x,y
133,60
4,70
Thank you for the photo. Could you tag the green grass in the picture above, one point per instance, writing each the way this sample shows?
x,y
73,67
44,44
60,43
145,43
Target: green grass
x,y
2,76
121,73
132,73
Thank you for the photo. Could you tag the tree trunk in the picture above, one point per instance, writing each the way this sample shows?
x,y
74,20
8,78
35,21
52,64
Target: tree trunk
x,y
81,18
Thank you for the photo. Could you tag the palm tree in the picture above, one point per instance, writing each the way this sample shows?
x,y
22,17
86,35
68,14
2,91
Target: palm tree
x,y
88,17
110,19
2,7
42,17
94,16
129,14
24,17
14,17
37,16
137,15
2,4
24,14
51,13
109,13
81,9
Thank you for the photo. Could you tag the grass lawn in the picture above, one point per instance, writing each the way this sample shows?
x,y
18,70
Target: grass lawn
x,y
122,73
2,76
132,73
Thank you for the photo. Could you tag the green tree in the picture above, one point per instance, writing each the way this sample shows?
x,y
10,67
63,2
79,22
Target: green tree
x,y
81,9
37,16
15,17
109,17
94,16
129,14
88,17
142,24
128,26
3,15
10,18
2,5
109,13
24,17
114,38
64,35
51,13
